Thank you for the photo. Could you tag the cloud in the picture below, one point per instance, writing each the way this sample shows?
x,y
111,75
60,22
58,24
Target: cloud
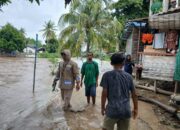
x,y
31,17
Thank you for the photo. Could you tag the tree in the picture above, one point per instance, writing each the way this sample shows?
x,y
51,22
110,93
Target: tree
x,y
50,36
5,2
49,30
88,22
11,39
52,46
31,41
131,9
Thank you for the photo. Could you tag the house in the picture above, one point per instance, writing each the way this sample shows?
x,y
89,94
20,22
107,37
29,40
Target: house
x,y
30,49
155,44
132,35
159,62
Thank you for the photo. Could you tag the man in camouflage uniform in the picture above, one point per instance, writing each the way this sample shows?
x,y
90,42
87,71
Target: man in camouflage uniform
x,y
68,76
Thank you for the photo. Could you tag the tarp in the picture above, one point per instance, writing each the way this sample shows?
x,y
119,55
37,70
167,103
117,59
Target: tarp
x,y
177,68
129,28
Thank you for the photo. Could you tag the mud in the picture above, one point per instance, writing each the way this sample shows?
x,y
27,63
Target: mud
x,y
91,118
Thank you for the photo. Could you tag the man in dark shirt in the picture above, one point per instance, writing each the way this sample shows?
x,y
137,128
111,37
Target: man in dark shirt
x,y
117,86
128,66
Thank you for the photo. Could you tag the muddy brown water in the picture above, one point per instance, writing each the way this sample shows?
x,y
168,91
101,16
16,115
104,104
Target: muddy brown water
x,y
20,109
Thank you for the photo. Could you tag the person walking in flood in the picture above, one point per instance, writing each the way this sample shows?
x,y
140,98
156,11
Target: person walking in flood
x,y
128,66
68,76
117,86
90,71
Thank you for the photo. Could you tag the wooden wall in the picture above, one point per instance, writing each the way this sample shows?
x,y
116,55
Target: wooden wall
x,y
165,21
135,45
132,45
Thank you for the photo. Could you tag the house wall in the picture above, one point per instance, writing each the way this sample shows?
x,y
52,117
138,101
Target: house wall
x,y
129,45
166,21
158,67
135,45
132,45
29,50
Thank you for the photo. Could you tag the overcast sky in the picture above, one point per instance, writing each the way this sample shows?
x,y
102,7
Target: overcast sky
x,y
31,17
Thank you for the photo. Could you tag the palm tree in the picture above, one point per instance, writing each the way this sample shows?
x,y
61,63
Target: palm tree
x,y
6,2
49,30
88,22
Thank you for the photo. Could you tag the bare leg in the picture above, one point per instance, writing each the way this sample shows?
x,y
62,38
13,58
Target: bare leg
x,y
94,100
88,99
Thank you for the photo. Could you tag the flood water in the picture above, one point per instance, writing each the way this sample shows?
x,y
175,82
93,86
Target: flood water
x,y
20,109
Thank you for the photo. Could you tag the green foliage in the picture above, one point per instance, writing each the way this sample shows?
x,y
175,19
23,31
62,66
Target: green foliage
x,y
48,55
49,30
11,39
50,36
106,58
89,22
5,2
31,41
128,10
156,6
52,45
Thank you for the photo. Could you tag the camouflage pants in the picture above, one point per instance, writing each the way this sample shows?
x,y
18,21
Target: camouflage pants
x,y
66,95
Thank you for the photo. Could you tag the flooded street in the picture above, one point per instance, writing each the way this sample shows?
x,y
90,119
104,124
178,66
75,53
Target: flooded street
x,y
20,109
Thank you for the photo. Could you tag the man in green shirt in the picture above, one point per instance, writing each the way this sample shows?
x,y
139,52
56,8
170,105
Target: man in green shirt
x,y
90,71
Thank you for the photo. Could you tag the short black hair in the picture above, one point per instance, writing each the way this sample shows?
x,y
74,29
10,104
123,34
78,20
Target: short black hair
x,y
90,53
117,58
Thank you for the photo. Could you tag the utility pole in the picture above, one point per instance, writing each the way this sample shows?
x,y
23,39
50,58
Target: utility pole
x,y
35,59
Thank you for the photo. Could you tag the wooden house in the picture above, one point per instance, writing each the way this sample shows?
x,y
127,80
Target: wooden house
x,y
158,61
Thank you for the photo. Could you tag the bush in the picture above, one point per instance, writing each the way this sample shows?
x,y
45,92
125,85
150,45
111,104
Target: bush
x,y
11,39
106,58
